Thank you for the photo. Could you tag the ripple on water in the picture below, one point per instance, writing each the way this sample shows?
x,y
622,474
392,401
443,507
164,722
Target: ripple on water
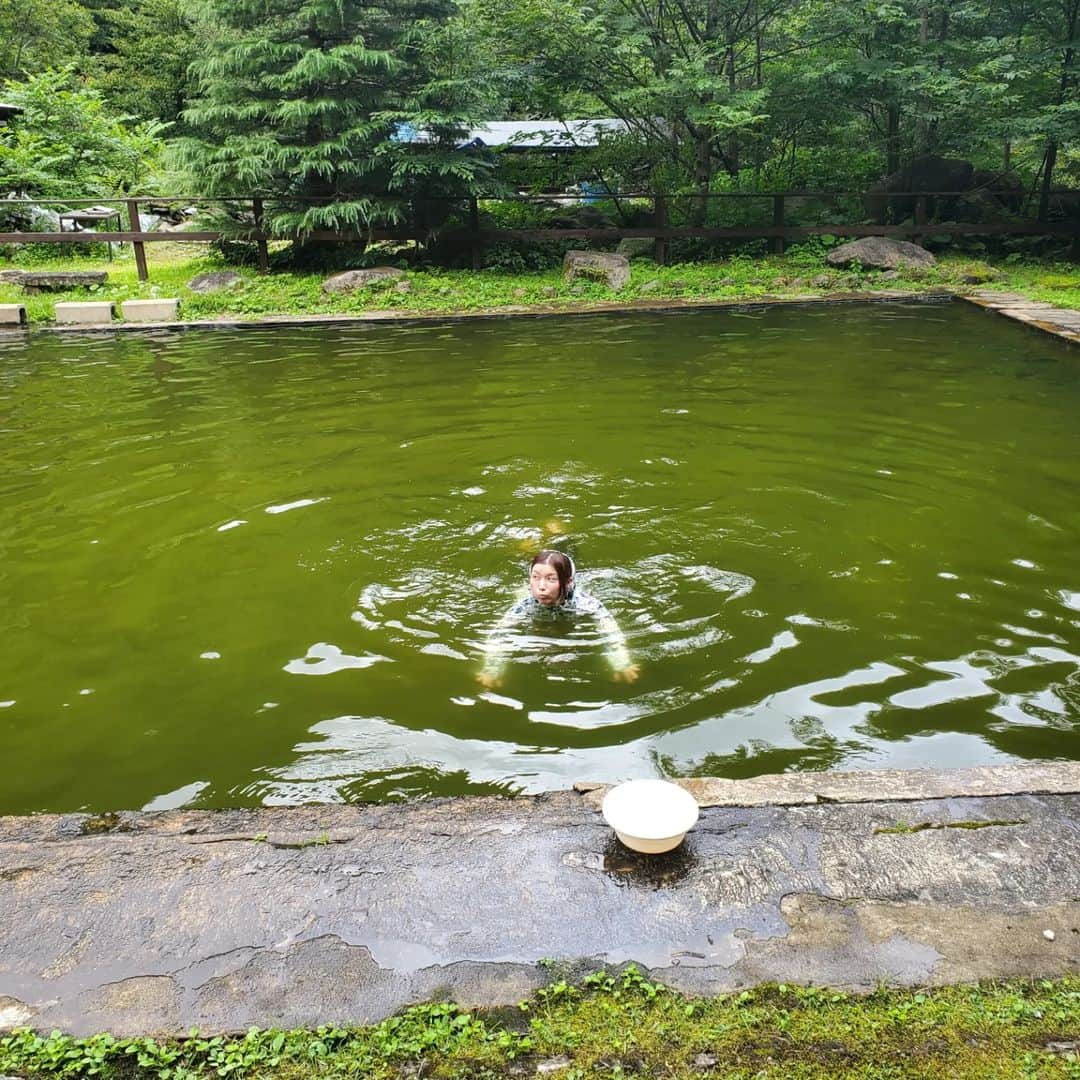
x,y
827,544
323,658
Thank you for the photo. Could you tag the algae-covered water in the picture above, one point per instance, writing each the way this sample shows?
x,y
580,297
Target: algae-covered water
x,y
258,566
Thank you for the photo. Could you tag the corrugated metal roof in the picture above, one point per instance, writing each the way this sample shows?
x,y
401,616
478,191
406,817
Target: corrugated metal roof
x,y
550,134
555,134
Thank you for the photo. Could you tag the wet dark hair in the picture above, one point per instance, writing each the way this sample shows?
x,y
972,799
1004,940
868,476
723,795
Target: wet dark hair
x,y
561,564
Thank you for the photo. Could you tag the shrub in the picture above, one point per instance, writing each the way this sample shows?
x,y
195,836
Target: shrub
x,y
66,144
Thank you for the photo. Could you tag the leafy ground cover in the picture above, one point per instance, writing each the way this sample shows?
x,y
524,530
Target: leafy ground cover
x,y
800,272
620,1026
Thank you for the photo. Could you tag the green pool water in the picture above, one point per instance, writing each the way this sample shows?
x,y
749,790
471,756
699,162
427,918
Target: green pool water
x,y
258,566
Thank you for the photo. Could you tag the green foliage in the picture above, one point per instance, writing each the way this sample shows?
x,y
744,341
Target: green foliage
x,y
67,143
618,1025
302,97
39,34
303,102
802,272
141,56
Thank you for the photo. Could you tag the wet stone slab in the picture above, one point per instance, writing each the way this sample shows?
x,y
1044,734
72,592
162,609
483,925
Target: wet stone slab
x,y
1063,323
159,922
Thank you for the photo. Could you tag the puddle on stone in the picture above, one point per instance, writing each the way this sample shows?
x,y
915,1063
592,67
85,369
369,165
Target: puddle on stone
x,y
626,867
104,823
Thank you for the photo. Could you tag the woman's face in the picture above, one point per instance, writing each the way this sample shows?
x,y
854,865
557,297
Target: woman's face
x,y
544,584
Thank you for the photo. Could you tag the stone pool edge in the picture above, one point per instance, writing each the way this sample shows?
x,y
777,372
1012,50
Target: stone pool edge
x,y
604,307
872,785
1062,323
150,923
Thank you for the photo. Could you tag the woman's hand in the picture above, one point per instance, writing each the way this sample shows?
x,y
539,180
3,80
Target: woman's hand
x,y
628,674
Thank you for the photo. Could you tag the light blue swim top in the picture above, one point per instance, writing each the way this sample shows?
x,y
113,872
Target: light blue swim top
x,y
577,602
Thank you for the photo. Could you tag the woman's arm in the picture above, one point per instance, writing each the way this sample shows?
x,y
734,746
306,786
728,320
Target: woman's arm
x,y
496,648
615,650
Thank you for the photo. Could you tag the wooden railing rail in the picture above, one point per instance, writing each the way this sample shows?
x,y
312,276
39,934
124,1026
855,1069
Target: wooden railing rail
x,y
661,232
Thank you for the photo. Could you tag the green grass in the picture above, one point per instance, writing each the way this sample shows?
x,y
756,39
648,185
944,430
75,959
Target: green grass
x,y
618,1026
801,272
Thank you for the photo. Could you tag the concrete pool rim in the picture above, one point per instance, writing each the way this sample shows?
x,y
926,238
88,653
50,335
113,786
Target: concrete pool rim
x,y
155,922
1062,323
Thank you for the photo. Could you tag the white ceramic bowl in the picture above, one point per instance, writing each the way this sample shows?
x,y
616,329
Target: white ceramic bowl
x,y
650,816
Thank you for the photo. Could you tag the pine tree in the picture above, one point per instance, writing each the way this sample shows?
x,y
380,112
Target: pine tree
x,y
303,99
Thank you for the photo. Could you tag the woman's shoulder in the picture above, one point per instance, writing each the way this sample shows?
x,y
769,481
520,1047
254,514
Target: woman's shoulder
x,y
523,605
585,603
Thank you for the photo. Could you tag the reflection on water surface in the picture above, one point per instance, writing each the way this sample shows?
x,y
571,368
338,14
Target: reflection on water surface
x,y
259,566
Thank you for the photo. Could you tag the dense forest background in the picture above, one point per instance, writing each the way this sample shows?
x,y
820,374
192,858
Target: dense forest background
x,y
307,98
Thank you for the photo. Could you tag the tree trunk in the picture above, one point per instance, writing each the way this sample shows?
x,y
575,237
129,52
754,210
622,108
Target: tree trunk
x,y
922,128
892,139
1064,85
733,149
1048,172
703,150
702,175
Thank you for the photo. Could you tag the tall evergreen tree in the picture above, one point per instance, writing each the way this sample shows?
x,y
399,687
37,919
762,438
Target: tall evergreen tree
x,y
303,99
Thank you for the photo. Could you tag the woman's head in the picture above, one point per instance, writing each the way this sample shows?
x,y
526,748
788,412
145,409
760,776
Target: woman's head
x,y
551,577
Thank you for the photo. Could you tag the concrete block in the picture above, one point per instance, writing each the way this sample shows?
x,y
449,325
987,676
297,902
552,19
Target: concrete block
x,y
12,315
85,313
150,310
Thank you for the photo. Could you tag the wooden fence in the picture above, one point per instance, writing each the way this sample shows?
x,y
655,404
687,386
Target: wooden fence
x,y
661,232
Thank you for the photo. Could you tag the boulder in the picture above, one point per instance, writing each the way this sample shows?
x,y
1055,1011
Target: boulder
x,y
362,279
39,281
1006,187
981,206
650,286
933,173
615,269
581,216
215,281
20,214
893,197
880,253
636,247
980,275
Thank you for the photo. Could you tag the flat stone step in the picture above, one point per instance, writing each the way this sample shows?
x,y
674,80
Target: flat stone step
x,y
150,310
85,313
12,314
1063,323
268,917
38,281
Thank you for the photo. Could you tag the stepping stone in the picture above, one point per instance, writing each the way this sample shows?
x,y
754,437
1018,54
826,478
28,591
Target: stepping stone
x,y
38,281
150,310
12,315
85,313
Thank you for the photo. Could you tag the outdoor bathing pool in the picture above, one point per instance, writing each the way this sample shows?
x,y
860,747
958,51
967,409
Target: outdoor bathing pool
x,y
246,567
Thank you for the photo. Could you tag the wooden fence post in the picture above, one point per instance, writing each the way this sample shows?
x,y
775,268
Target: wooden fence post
x,y
660,246
776,244
138,246
920,218
264,258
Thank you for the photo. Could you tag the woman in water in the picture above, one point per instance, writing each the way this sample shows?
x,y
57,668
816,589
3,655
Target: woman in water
x,y
552,595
